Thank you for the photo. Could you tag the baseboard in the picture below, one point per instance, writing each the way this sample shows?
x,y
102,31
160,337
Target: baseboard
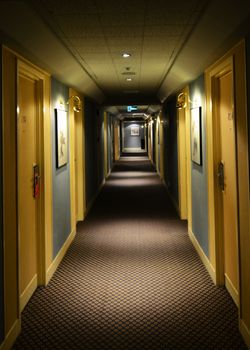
x,y
51,270
90,205
245,333
175,204
27,293
202,256
232,290
11,336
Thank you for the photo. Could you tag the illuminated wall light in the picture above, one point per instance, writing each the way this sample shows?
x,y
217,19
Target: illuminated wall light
x,y
126,55
128,79
18,110
77,103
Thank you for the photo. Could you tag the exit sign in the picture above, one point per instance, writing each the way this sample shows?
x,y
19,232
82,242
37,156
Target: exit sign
x,y
131,108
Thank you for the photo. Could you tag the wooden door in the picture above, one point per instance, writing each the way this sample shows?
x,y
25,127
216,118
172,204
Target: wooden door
x,y
27,204
228,186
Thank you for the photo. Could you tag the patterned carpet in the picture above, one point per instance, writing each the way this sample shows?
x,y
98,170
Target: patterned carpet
x,y
131,279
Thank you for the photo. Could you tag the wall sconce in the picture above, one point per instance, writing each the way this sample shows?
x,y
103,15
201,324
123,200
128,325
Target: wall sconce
x,y
181,101
77,103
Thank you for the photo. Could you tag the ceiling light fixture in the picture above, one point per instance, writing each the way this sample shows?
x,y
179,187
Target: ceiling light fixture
x,y
126,54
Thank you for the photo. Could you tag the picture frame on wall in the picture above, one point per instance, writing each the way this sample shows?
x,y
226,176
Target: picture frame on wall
x,y
61,137
196,154
135,130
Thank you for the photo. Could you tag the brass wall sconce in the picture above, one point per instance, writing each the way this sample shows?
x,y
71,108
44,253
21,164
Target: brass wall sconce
x,y
77,103
181,101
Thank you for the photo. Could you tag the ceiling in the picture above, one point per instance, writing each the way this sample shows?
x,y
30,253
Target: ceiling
x,y
81,43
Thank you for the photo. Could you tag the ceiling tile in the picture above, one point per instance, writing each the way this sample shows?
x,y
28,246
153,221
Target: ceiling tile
x,y
85,50
121,6
125,44
164,30
74,26
69,6
161,45
167,18
122,19
96,57
123,31
88,42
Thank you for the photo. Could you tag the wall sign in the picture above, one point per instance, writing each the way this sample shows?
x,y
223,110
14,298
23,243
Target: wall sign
x,y
196,135
61,138
135,130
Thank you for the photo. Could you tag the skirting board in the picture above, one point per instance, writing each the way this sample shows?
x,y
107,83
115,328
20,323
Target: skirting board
x,y
232,291
11,336
245,333
90,205
202,256
28,292
171,197
51,270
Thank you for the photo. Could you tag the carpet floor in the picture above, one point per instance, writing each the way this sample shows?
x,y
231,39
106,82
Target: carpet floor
x,y
131,279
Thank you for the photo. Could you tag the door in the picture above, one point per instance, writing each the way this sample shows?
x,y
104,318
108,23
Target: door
x,y
227,183
27,203
182,164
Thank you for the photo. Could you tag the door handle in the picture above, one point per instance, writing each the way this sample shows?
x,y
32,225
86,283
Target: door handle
x,y
221,178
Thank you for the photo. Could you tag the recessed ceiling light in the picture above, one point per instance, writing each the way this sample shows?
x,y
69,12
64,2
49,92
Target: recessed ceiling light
x,y
126,54
128,79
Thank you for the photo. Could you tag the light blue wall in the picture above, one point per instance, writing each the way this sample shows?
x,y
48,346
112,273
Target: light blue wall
x,y
199,173
131,141
171,148
61,176
1,218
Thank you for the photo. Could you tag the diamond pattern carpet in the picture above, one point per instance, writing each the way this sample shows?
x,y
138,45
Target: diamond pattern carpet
x,y
131,279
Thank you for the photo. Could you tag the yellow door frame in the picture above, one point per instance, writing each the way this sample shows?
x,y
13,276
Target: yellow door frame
x,y
184,160
105,140
235,59
12,65
77,161
116,140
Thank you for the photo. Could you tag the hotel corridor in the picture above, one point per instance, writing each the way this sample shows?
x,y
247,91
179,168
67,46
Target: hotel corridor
x,y
131,279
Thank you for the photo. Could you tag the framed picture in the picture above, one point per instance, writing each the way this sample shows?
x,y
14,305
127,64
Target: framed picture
x,y
61,138
135,130
196,135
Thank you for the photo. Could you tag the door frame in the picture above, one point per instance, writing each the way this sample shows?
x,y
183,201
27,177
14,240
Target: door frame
x,y
23,70
222,69
236,58
77,161
12,64
215,197
184,159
